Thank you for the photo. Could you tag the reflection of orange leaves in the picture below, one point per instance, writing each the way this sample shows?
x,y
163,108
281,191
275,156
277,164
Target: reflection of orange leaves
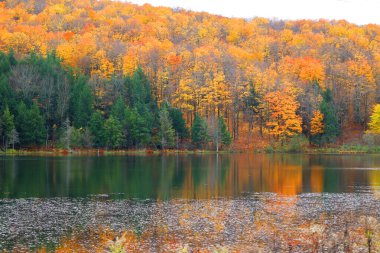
x,y
316,179
288,182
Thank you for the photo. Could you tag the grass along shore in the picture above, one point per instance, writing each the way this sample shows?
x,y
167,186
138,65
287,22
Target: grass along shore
x,y
343,149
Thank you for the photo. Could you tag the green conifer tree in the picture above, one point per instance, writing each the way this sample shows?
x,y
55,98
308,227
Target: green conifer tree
x,y
179,124
330,121
167,133
113,133
96,129
225,135
31,125
199,132
7,125
81,102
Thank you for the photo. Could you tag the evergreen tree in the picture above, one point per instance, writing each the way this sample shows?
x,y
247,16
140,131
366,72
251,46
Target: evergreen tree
x,y
139,90
5,64
31,125
81,102
96,129
138,129
199,132
167,134
6,93
140,94
225,135
330,121
7,122
113,133
252,101
7,96
179,124
1,127
118,110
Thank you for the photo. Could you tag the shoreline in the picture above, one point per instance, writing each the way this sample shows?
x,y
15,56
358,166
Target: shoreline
x,y
341,150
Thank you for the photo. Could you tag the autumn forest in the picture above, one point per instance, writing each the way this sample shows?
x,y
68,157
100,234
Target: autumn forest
x,y
109,74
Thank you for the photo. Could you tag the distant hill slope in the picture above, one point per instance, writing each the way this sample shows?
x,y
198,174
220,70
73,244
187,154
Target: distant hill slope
x,y
205,63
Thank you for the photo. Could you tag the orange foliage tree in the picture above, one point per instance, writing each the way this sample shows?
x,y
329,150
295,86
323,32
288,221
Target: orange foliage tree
x,y
202,62
283,120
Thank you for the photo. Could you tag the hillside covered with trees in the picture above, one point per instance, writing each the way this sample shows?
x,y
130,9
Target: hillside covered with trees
x,y
77,73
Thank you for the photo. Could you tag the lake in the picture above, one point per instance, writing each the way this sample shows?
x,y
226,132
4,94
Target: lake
x,y
167,203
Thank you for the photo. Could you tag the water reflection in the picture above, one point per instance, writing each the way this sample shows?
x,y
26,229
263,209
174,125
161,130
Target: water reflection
x,y
186,176
255,223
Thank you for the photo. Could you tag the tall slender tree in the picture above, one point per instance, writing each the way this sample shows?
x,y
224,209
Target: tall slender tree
x,y
330,121
7,120
199,132
167,133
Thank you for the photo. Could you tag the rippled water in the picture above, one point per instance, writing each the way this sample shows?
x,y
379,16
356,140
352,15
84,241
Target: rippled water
x,y
251,203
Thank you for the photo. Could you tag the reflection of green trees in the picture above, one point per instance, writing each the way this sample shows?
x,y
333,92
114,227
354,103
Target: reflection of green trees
x,y
181,176
131,177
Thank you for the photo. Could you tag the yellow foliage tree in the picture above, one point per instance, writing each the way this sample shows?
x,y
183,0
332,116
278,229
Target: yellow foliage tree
x,y
316,124
283,120
374,124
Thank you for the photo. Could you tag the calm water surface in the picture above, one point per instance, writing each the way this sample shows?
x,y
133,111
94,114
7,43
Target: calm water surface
x,y
190,203
186,176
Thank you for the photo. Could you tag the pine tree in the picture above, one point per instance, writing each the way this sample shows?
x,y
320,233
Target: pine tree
x,y
167,134
199,132
179,124
118,110
138,129
252,102
8,125
6,93
225,135
96,129
331,125
81,102
113,133
31,125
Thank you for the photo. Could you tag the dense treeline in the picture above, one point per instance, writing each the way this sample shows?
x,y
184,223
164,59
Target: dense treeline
x,y
265,78
43,103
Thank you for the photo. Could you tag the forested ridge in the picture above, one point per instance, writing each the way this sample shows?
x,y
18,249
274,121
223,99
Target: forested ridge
x,y
110,74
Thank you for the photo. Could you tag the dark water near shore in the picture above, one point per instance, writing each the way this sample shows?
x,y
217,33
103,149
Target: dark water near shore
x,y
186,176
191,203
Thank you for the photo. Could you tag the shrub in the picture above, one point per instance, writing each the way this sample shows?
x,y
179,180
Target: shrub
x,y
298,143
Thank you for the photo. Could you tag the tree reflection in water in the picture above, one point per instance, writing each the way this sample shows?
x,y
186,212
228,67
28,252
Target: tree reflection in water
x,y
185,176
206,203
255,223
